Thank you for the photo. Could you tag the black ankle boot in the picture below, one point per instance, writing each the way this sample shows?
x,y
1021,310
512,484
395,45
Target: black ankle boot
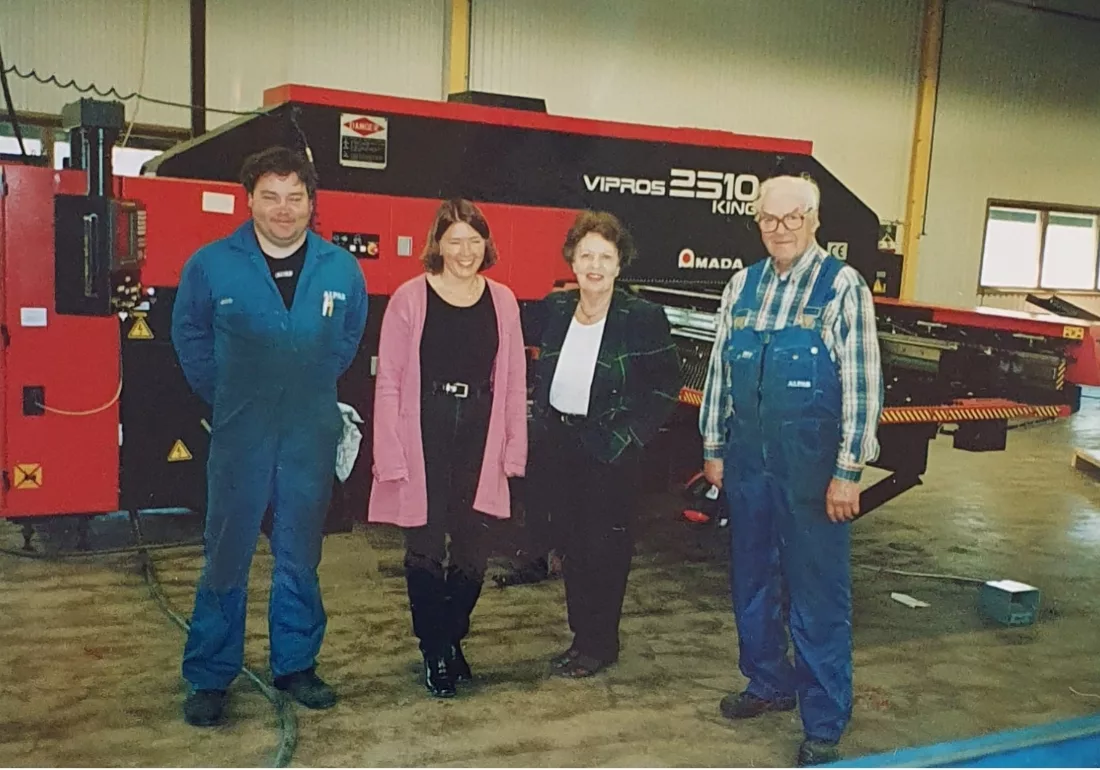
x,y
438,678
457,664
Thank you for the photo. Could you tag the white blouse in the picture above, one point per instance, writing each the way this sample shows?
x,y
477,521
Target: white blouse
x,y
572,382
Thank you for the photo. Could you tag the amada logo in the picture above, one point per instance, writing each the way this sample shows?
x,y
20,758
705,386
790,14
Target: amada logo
x,y
689,260
363,126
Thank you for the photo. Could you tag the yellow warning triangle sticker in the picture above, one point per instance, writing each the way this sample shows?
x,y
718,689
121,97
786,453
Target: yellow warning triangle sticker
x,y
140,331
879,287
179,452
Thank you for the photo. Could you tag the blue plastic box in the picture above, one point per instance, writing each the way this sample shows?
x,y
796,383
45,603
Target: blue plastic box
x,y
1009,603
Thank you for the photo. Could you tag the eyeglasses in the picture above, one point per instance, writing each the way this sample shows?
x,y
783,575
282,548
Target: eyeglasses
x,y
792,221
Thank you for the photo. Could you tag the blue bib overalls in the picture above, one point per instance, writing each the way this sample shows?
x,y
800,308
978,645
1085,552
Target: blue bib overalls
x,y
789,561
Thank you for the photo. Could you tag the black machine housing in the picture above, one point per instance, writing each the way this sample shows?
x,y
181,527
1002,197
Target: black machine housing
x,y
688,206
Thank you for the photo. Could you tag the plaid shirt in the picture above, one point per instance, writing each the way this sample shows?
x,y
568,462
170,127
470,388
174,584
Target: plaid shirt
x,y
848,330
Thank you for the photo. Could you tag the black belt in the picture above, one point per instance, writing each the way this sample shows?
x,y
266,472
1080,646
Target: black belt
x,y
567,419
460,389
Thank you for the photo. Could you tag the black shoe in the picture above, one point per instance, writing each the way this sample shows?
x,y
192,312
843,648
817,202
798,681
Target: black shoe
x,y
745,705
532,572
456,663
563,659
438,678
308,689
204,708
813,752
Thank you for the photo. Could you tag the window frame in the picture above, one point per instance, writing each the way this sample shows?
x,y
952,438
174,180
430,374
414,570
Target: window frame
x,y
1044,210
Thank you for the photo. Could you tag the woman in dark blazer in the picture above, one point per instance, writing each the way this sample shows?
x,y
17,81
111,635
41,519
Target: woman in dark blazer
x,y
607,378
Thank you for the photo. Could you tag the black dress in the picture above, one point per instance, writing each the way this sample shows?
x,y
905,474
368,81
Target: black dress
x,y
458,349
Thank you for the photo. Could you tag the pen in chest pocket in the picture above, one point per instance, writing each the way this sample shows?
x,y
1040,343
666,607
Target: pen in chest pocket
x,y
327,304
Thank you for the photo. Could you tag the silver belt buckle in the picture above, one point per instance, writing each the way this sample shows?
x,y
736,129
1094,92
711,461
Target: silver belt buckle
x,y
457,389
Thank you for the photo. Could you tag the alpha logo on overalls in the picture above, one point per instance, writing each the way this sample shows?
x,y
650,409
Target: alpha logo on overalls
x,y
806,321
328,302
741,320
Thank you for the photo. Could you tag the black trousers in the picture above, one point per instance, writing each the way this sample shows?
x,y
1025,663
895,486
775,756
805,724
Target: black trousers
x,y
591,506
444,578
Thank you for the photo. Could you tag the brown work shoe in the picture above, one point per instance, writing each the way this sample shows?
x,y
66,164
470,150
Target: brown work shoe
x,y
745,705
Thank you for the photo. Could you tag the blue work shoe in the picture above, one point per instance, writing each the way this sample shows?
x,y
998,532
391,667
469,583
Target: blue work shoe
x,y
813,752
204,708
308,689
745,705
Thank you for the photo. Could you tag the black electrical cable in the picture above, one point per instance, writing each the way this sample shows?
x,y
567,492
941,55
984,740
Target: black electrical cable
x,y
47,556
284,709
11,107
112,91
1065,14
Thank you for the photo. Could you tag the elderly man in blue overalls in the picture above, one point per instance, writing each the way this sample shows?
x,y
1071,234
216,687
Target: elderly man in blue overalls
x,y
264,322
789,419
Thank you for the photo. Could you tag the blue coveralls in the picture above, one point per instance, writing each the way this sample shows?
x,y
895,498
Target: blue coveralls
x,y
270,375
789,561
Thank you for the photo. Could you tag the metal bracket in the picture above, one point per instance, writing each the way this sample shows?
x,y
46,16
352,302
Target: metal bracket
x,y
885,490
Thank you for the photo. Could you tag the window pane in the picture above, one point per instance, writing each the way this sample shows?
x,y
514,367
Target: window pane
x,y
9,145
1069,253
128,160
1010,258
125,161
61,153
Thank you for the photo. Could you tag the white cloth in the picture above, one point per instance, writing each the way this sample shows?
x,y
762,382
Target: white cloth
x,y
572,383
347,451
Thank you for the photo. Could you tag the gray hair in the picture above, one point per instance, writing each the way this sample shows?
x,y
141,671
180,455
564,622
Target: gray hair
x,y
803,188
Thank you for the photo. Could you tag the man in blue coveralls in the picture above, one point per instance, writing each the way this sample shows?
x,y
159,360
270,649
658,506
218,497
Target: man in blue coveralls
x,y
789,419
265,321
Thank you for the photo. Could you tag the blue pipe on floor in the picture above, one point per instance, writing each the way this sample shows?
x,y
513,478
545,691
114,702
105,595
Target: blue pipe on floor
x,y
1067,743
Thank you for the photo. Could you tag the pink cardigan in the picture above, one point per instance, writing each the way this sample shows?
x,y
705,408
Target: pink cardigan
x,y
399,494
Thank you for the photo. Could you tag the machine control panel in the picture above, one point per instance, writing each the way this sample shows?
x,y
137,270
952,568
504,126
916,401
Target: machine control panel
x,y
360,245
99,252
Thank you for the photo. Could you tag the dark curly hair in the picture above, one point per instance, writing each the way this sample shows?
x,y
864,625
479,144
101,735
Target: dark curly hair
x,y
602,223
281,161
451,212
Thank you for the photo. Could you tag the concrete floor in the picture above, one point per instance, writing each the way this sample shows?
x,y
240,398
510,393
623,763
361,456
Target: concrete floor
x,y
91,665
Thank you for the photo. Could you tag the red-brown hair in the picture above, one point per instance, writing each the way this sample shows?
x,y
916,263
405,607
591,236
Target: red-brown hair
x,y
451,212
603,224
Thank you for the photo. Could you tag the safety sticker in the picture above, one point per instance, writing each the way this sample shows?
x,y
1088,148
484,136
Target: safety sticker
x,y
888,237
140,330
179,452
28,476
1073,332
364,141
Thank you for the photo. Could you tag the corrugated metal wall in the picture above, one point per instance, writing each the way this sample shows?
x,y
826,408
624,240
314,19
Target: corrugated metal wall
x,y
842,73
99,41
1018,118
378,46
366,45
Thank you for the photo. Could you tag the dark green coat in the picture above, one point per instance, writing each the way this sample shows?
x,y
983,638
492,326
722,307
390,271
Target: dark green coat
x,y
636,385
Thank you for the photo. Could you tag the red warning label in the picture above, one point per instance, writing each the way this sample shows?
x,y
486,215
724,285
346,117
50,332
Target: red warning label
x,y
364,141
364,126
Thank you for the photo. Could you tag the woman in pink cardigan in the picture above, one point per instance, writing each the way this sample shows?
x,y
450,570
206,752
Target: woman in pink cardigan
x,y
450,428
